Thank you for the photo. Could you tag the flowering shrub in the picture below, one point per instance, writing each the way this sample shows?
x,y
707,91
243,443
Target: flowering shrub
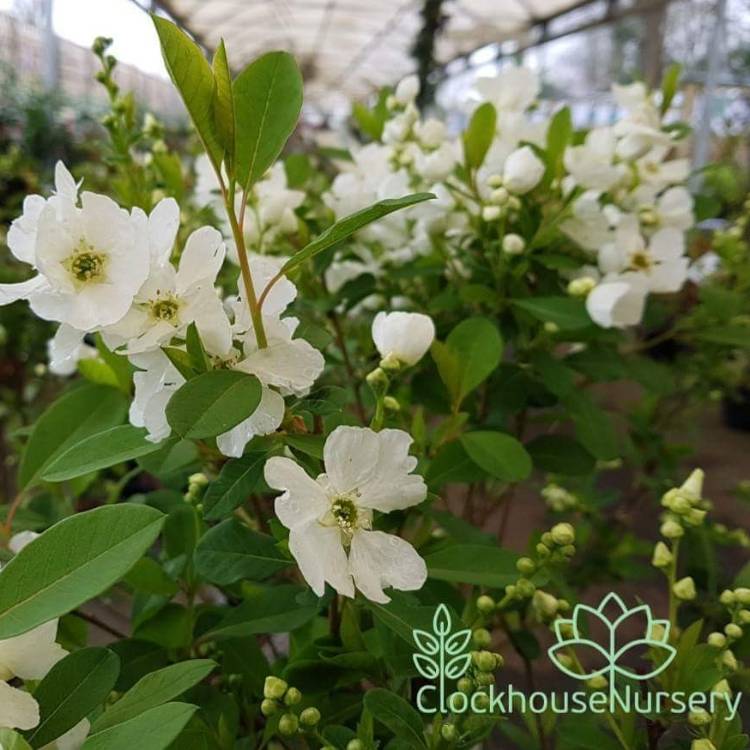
x,y
311,394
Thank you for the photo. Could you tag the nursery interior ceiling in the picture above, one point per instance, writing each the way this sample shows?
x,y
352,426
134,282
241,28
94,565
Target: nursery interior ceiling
x,y
348,48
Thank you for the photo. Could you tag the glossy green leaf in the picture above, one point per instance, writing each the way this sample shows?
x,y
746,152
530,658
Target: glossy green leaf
x,y
669,85
192,75
212,403
560,454
154,729
479,564
478,136
100,451
72,689
267,104
72,562
566,313
397,715
347,226
155,689
499,454
237,480
78,413
223,102
231,551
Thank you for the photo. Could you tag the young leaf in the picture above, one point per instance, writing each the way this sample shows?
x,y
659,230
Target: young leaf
x,y
191,74
231,551
99,451
212,403
153,690
224,103
72,689
559,136
669,85
479,134
499,454
267,103
347,226
196,352
57,572
78,413
237,480
154,729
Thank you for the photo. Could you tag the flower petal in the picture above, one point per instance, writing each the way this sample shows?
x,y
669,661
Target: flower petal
x,y
264,420
18,709
31,655
201,259
303,500
321,557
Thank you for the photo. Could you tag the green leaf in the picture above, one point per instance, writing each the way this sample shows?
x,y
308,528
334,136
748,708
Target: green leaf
x,y
479,564
99,451
192,75
212,403
470,354
231,551
267,103
397,715
154,729
80,412
223,102
478,136
237,481
733,336
154,690
199,360
274,609
73,561
347,226
559,137
561,455
72,689
499,454
566,313
669,84
149,577
594,428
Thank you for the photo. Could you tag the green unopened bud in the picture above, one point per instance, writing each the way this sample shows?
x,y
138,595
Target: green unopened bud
x,y
744,615
481,701
599,682
695,516
568,550
565,660
486,604
721,688
391,404
684,589
581,287
495,180
742,595
465,685
563,534
274,687
378,381
199,479
545,604
484,661
499,661
733,631
491,213
566,630
355,745
292,697
702,744
671,529
525,566
513,244
551,327
662,557
268,707
482,637
525,588
729,660
390,363
485,679
543,550
727,597
693,485
717,640
448,732
288,724
310,716
563,605
699,717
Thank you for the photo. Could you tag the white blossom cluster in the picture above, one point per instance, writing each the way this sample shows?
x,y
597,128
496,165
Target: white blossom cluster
x,y
629,207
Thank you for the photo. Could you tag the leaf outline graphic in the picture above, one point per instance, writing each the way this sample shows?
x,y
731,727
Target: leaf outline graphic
x,y
426,642
457,666
458,642
426,666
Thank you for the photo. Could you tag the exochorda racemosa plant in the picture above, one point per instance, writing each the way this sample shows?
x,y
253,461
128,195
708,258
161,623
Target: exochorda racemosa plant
x,y
310,390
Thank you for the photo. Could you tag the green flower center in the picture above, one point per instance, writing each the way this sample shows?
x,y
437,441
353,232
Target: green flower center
x,y
165,309
344,512
640,261
86,264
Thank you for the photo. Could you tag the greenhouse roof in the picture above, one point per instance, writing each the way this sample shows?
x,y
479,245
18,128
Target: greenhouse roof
x,y
348,48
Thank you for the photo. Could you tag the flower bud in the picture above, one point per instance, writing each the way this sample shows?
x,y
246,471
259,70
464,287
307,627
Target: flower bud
x,y
391,404
495,180
727,597
525,566
721,688
513,244
523,170
742,595
729,660
565,660
744,615
695,516
378,381
482,701
448,732
465,685
491,213
542,550
499,196
693,485
545,604
525,588
733,631
292,697
268,707
597,683
717,640
671,529
499,661
662,557
581,287
482,637
563,534
484,661
274,687
486,604
699,718
684,589
288,724
485,679
310,716
702,744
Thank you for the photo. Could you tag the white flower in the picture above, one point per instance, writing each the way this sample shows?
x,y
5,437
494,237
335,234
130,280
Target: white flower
x,y
513,244
66,349
592,164
661,262
91,261
618,301
171,299
407,90
513,89
330,518
523,170
438,164
20,540
430,133
588,225
654,171
402,336
29,657
674,208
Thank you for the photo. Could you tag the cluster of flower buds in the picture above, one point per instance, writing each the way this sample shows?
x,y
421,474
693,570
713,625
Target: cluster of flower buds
x,y
197,484
737,602
278,696
702,720
558,498
685,506
501,204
